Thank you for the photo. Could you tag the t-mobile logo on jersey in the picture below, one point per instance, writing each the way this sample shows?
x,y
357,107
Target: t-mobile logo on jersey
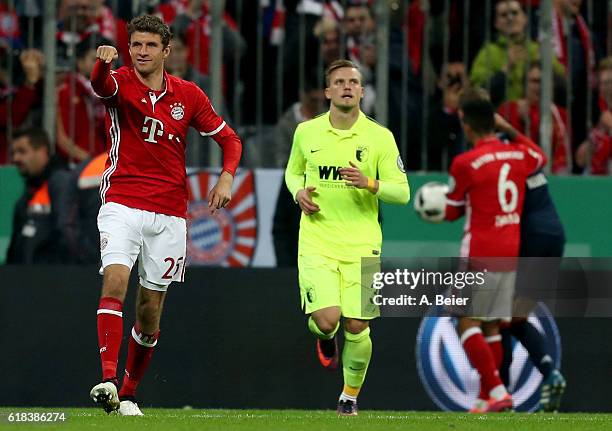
x,y
156,128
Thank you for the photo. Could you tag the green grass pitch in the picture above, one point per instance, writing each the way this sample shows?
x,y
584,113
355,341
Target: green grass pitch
x,y
303,420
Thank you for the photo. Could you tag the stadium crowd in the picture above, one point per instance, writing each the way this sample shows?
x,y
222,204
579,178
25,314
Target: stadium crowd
x,y
431,59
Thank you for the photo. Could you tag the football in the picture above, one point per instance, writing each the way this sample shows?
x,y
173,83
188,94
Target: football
x,y
430,201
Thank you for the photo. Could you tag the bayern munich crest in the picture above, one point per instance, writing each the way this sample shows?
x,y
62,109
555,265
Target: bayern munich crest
x,y
453,384
177,110
227,237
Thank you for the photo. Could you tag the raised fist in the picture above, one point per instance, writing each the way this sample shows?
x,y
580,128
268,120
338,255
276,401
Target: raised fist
x,y
107,53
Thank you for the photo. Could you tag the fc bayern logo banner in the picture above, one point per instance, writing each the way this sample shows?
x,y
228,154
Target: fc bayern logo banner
x,y
227,237
450,380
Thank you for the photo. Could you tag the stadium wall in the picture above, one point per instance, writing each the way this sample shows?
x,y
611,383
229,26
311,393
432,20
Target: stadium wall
x,y
230,339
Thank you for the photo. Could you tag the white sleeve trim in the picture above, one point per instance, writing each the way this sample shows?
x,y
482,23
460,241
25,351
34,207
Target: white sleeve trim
x,y
537,156
214,132
112,95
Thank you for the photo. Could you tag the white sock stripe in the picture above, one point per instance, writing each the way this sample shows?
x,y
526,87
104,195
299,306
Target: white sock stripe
x,y
344,396
493,338
471,331
107,311
140,340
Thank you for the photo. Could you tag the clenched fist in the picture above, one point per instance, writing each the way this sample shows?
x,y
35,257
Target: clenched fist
x,y
107,53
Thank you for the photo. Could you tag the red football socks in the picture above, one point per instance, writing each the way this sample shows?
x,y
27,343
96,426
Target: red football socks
x,y
497,350
140,352
110,331
481,358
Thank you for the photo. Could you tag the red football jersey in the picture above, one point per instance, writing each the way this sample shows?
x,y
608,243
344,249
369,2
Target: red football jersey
x,y
488,184
147,133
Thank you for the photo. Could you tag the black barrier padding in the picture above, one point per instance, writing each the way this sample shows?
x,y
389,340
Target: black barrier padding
x,y
230,339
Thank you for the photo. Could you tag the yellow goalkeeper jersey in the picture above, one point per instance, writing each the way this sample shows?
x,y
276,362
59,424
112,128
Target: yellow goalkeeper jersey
x,y
346,227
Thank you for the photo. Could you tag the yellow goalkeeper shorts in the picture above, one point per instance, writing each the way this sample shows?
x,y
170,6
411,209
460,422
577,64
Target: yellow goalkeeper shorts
x,y
327,282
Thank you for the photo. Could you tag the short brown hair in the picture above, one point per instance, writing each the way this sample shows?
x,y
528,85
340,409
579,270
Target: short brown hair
x,y
498,2
37,137
150,24
478,111
339,64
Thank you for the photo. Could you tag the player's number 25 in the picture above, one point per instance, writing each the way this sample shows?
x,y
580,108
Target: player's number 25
x,y
507,191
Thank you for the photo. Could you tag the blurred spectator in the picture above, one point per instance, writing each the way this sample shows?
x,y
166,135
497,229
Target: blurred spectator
x,y
598,147
359,28
328,33
23,97
80,114
501,64
169,10
330,9
571,30
9,27
524,115
567,13
445,135
194,23
311,18
43,209
76,23
30,21
414,27
360,43
106,21
177,64
81,228
312,102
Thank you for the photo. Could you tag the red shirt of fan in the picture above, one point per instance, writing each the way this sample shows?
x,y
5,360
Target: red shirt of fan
x,y
81,115
488,184
147,133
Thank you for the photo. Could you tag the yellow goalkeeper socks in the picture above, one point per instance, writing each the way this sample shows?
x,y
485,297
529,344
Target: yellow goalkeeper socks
x,y
355,360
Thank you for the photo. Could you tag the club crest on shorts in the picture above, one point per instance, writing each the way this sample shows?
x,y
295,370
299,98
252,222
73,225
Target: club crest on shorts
x,y
311,295
103,242
227,237
177,110
450,380
361,153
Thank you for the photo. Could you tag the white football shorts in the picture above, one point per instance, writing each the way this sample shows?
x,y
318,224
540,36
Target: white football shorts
x,y
159,241
493,300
